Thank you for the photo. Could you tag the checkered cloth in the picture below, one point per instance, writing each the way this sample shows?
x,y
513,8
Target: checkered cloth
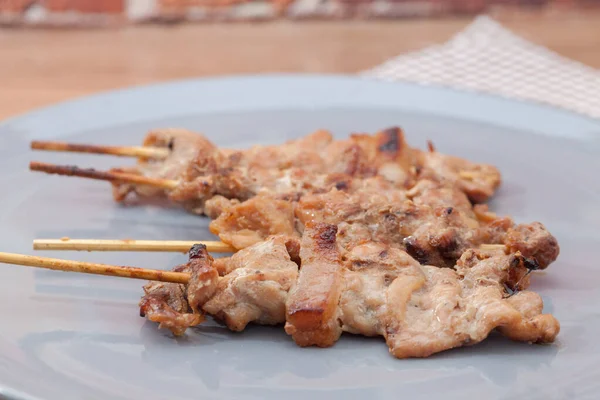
x,y
486,57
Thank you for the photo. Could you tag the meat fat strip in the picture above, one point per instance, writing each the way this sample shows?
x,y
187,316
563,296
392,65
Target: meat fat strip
x,y
312,306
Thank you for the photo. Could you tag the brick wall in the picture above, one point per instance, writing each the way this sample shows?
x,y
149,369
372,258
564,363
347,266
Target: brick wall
x,y
106,12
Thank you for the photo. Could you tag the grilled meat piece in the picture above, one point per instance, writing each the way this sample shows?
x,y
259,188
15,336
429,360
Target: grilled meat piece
x,y
446,308
478,181
370,269
435,224
533,241
372,290
255,286
176,306
306,165
254,220
312,304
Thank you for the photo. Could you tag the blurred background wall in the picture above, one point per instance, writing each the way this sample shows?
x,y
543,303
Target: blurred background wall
x,y
118,12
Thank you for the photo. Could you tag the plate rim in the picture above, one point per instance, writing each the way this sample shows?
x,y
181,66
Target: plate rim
x,y
308,91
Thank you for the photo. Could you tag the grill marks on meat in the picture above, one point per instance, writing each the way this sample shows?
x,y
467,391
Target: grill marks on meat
x,y
175,306
312,305
533,241
434,223
435,236
255,286
372,290
374,231
306,165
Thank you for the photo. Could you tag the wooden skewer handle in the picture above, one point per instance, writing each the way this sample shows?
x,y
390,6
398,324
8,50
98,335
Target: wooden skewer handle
x,y
90,173
93,268
123,151
178,246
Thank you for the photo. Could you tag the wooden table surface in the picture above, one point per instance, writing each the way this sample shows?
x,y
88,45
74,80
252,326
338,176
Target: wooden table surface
x,y
40,67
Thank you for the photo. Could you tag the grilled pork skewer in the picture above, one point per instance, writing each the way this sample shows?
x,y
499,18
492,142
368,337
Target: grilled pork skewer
x,y
197,170
433,223
370,290
165,246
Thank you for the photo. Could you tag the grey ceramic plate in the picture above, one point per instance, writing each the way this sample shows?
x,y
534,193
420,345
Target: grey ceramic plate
x,y
67,336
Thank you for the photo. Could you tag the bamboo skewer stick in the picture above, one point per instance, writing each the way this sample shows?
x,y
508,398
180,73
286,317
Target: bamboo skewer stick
x,y
93,268
178,246
123,151
90,173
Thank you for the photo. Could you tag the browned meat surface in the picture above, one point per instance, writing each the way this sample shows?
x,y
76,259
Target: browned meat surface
x,y
165,304
446,308
372,290
254,220
175,306
533,241
422,310
255,286
312,305
478,181
434,223
435,226
315,163
350,235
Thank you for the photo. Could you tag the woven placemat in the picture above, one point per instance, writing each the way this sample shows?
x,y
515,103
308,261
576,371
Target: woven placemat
x,y
487,57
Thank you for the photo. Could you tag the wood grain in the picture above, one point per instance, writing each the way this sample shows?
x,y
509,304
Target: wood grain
x,y
40,67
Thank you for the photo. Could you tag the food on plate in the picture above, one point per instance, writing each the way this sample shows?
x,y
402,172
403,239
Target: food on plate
x,y
434,224
371,289
364,235
195,170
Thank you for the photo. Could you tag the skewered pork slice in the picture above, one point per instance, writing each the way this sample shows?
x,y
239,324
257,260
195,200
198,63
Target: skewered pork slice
x,y
306,165
256,285
372,290
176,306
434,224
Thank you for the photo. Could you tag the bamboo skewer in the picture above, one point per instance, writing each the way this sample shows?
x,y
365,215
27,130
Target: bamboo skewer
x,y
97,269
68,170
123,151
178,246
93,268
